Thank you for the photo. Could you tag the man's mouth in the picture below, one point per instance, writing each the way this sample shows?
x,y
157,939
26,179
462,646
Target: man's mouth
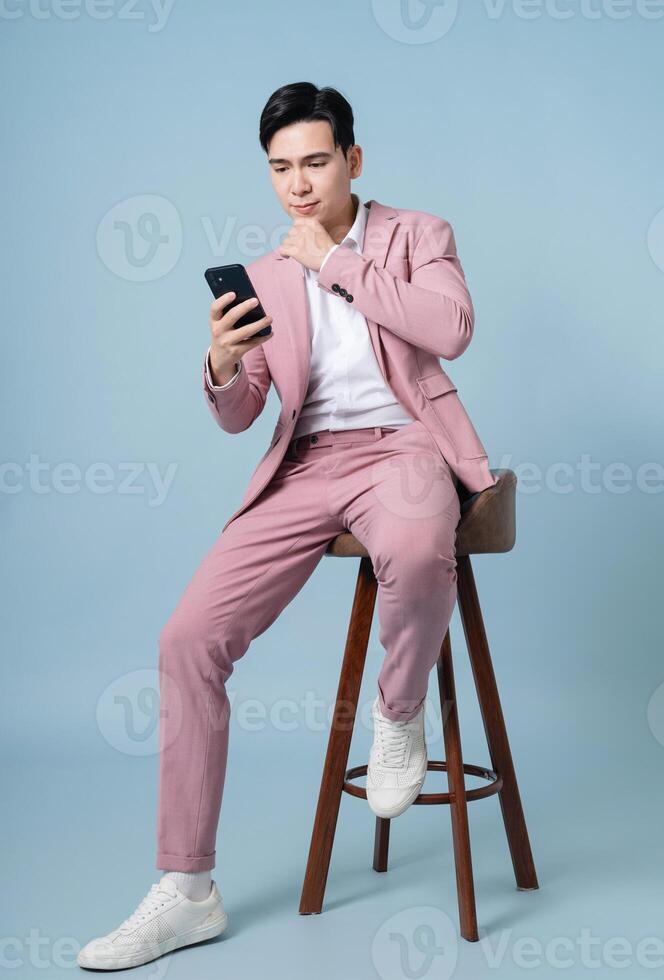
x,y
305,207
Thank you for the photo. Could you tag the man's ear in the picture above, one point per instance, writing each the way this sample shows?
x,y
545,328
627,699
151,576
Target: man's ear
x,y
356,165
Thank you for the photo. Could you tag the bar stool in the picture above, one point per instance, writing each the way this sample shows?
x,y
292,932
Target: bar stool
x,y
487,525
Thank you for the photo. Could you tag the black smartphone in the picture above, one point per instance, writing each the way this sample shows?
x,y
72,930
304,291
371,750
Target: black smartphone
x,y
234,278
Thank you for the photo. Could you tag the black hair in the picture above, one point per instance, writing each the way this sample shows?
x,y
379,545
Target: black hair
x,y
305,102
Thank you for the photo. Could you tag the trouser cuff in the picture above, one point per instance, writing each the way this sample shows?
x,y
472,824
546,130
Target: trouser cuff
x,y
176,862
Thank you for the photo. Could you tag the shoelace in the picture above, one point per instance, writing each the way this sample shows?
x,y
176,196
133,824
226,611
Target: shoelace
x,y
392,739
151,903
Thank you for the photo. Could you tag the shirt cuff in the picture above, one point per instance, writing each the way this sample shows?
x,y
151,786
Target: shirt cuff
x,y
327,256
208,374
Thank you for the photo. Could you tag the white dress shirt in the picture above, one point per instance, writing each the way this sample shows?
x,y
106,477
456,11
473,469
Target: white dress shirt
x,y
346,388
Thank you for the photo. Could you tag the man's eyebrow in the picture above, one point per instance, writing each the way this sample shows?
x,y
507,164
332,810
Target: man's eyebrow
x,y
309,156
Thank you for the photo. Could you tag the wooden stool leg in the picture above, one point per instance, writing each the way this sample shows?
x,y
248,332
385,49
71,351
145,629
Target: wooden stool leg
x,y
341,733
457,788
381,843
494,726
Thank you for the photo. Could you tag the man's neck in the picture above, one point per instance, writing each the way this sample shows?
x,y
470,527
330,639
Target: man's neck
x,y
345,221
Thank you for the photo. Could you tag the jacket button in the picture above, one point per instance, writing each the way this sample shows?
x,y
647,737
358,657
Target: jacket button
x,y
349,298
335,287
314,438
342,291
293,415
211,397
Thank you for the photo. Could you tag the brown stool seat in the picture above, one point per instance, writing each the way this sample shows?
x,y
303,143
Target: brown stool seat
x,y
487,525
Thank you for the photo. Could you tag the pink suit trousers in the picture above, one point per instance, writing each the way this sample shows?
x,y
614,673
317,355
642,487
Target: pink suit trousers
x,y
395,492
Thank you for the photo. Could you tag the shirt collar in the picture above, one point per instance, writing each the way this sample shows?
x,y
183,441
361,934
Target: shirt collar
x,y
356,232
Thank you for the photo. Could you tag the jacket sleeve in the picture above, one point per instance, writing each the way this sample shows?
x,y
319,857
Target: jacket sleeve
x,y
208,375
433,310
241,400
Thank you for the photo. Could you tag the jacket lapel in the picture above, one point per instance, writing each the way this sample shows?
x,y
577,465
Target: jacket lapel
x,y
381,225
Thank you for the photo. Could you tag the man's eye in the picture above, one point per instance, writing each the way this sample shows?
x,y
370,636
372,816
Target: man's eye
x,y
281,170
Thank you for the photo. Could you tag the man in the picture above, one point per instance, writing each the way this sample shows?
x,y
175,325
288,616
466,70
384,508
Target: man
x,y
372,437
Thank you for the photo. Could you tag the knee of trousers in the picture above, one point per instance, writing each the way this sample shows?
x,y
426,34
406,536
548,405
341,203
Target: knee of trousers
x,y
419,565
187,643
193,642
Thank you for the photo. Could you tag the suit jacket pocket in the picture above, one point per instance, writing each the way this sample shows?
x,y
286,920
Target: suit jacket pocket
x,y
443,400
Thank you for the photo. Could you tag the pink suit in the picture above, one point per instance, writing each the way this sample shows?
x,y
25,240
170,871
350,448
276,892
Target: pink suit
x,y
394,489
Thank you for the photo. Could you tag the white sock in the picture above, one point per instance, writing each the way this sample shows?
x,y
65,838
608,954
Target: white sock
x,y
195,885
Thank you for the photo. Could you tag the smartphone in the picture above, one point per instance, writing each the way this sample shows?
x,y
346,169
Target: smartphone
x,y
234,278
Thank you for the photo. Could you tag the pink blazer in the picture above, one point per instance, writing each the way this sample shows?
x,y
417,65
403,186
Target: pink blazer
x,y
410,286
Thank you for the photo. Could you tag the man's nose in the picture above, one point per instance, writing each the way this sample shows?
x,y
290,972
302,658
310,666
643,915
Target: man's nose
x,y
300,185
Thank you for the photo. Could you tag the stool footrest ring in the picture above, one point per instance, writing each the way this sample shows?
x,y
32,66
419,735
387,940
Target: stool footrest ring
x,y
494,785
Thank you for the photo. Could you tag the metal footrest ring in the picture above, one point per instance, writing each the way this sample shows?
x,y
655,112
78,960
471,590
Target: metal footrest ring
x,y
494,785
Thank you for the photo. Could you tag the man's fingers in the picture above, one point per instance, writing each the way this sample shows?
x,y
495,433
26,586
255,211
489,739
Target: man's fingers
x,y
219,305
232,316
246,345
249,329
239,311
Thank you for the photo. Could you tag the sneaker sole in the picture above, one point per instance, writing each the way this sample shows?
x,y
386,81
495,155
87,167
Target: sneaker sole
x,y
197,935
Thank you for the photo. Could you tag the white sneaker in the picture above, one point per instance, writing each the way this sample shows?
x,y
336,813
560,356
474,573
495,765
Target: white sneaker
x,y
165,920
397,763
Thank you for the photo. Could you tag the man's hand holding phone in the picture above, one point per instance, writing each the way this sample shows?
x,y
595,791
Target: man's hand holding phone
x,y
230,343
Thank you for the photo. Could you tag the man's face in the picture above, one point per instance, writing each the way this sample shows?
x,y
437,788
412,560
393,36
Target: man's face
x,y
306,167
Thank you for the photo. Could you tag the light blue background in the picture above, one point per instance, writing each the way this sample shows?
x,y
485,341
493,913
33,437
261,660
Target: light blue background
x,y
541,141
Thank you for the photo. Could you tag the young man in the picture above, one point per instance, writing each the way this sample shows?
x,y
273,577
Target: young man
x,y
372,438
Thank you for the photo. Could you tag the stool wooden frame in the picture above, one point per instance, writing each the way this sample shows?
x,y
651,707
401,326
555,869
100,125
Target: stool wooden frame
x,y
487,525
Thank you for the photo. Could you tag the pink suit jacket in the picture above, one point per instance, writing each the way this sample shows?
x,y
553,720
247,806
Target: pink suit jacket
x,y
409,284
